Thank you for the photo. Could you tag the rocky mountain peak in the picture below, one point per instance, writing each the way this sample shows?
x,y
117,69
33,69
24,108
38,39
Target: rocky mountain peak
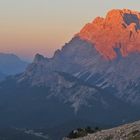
x,y
119,29
38,57
124,16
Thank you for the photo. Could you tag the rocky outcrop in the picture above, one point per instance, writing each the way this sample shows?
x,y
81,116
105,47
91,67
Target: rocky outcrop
x,y
119,29
124,132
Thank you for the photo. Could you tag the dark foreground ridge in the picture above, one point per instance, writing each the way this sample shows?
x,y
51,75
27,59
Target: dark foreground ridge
x,y
124,132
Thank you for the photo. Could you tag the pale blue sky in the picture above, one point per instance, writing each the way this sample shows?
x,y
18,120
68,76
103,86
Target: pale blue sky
x,y
31,26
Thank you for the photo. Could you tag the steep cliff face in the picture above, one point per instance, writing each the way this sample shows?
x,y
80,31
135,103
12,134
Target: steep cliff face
x,y
119,29
105,53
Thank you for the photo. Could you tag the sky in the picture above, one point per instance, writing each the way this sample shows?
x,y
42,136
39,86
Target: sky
x,y
28,27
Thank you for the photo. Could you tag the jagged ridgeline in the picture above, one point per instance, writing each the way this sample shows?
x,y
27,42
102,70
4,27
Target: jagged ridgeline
x,y
95,78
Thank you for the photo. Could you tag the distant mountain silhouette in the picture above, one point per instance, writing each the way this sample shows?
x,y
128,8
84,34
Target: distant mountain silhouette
x,y
11,64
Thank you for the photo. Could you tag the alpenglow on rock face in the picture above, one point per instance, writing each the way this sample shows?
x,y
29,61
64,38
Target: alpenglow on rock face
x,y
119,29
94,77
105,53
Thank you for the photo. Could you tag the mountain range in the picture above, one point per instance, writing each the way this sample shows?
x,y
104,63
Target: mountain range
x,y
94,78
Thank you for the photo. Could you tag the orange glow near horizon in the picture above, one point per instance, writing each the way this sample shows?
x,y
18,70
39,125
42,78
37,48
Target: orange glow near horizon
x,y
27,40
42,26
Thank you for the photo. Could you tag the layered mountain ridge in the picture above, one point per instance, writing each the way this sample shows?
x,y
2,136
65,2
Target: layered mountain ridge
x,y
85,57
